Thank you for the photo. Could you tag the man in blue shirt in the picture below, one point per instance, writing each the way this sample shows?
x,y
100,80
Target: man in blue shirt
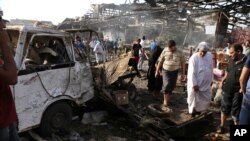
x,y
153,44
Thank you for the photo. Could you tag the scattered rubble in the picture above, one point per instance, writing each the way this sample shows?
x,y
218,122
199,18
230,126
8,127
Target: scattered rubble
x,y
94,118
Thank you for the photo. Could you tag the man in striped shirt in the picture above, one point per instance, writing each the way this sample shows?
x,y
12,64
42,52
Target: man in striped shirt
x,y
170,61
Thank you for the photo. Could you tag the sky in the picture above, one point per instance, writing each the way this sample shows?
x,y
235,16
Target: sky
x,y
49,10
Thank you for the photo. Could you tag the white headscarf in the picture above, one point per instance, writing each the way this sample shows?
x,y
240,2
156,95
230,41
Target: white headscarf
x,y
203,46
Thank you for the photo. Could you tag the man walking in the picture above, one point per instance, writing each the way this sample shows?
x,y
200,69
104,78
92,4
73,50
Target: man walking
x,y
200,77
170,60
231,98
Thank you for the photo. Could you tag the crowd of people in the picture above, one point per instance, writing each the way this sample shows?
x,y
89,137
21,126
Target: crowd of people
x,y
235,84
166,64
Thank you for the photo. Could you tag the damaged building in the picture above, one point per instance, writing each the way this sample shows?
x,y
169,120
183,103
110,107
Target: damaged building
x,y
186,21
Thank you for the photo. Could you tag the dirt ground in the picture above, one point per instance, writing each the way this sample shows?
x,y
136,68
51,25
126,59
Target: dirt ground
x,y
116,126
180,112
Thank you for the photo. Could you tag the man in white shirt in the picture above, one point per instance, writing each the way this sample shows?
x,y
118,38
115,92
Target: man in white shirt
x,y
99,53
141,53
200,77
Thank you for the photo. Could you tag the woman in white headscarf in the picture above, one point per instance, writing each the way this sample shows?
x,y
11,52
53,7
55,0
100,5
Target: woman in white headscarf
x,y
200,77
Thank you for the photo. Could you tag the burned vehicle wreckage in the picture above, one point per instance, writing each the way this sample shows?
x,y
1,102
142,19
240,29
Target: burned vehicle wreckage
x,y
51,79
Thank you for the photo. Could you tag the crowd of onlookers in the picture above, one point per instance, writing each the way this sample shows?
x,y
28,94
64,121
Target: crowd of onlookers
x,y
165,64
233,93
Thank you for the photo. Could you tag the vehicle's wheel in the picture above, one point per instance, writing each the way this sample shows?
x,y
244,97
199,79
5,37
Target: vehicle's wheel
x,y
132,91
57,117
155,110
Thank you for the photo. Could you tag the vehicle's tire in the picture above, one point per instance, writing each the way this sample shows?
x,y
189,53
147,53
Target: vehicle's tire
x,y
56,118
132,92
154,109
